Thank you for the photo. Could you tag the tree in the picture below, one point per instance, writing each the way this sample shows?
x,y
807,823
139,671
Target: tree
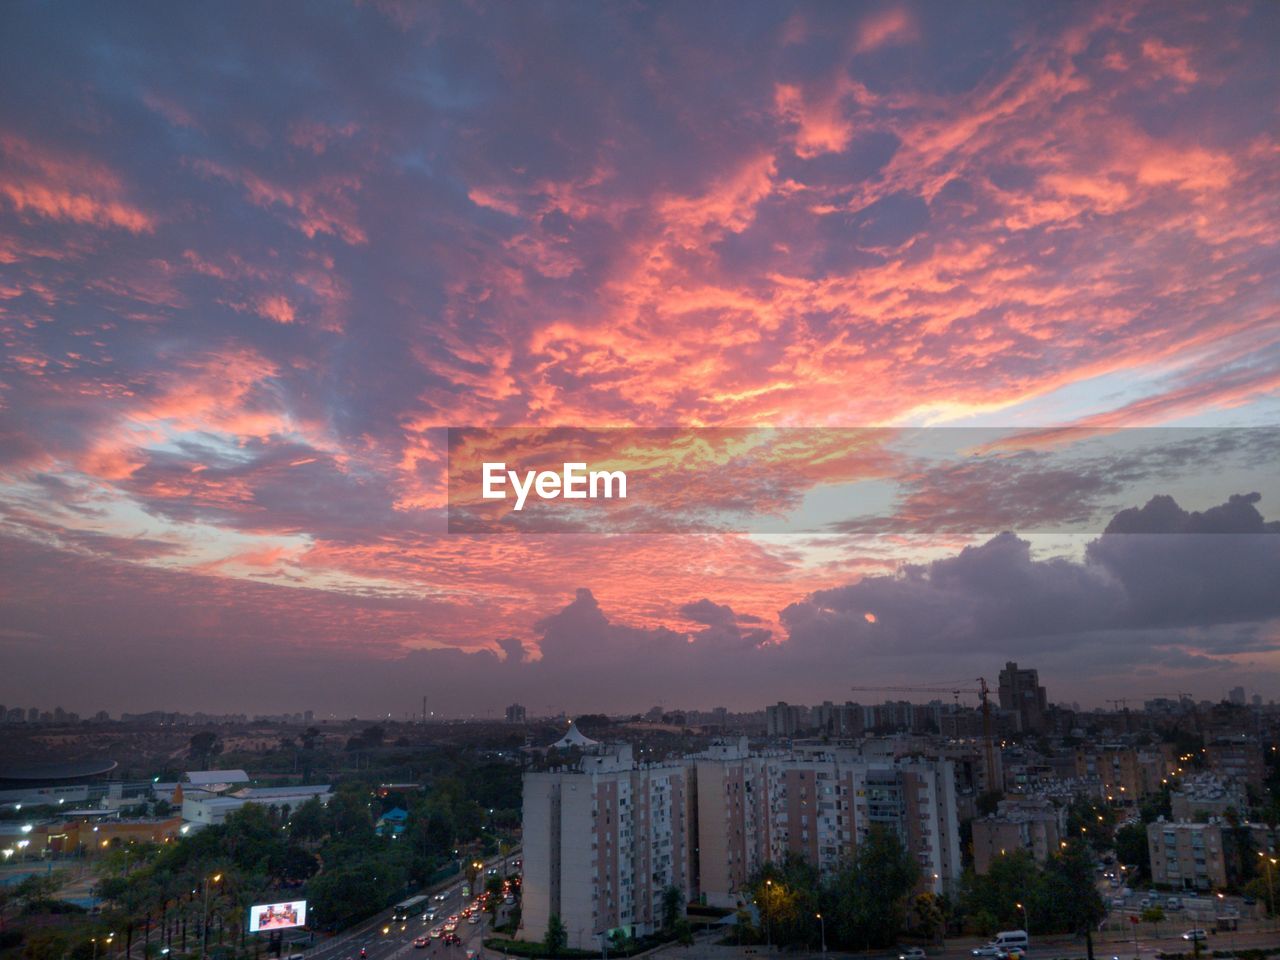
x,y
45,945
308,821
788,895
1153,916
927,917
1131,848
556,937
204,747
683,931
871,896
989,802
672,901
1070,893
991,900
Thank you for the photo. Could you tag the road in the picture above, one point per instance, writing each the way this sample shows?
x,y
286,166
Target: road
x,y
397,942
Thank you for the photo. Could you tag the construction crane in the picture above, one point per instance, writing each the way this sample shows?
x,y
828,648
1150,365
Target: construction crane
x,y
955,689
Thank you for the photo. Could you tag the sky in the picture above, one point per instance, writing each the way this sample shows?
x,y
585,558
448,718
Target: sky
x,y
256,261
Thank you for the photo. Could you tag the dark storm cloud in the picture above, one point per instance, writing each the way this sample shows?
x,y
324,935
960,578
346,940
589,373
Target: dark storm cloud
x,y
997,595
1149,606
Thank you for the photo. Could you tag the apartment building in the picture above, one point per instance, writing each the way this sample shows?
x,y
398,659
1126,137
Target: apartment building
x,y
1202,856
1035,826
1237,759
1127,774
784,719
601,843
1205,797
733,835
604,838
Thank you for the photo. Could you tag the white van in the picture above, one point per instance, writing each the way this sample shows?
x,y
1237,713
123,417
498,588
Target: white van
x,y
1011,938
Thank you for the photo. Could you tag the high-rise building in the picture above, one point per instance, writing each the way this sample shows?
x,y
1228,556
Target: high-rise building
x,y
603,839
602,842
1237,696
783,720
516,713
733,818
1021,694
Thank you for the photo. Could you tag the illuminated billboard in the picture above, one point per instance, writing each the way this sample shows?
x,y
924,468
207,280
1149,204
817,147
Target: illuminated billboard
x,y
277,916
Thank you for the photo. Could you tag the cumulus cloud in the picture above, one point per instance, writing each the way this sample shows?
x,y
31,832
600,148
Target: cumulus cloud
x,y
998,596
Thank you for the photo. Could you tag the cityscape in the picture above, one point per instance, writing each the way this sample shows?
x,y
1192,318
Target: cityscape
x,y
719,480
976,801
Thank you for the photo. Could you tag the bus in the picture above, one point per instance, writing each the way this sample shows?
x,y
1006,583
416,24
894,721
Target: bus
x,y
410,909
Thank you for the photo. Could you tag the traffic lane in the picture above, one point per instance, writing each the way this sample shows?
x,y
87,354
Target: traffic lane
x,y
370,936
347,944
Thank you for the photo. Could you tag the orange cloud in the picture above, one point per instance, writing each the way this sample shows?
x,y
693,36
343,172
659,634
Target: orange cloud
x,y
45,183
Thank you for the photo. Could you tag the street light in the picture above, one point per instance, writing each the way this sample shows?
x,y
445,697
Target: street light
x,y
1026,924
822,925
107,940
1222,899
768,933
1269,862
204,921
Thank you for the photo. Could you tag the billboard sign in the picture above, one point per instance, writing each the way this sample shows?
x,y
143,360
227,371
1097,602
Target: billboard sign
x,y
277,916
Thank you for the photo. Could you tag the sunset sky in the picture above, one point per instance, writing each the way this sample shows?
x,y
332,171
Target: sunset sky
x,y
255,260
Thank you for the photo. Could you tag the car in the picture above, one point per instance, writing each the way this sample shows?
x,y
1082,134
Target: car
x,y
431,914
987,950
1173,903
508,899
436,933
421,942
1195,935
452,939
492,871
1012,953
471,954
451,926
440,897
474,918
911,953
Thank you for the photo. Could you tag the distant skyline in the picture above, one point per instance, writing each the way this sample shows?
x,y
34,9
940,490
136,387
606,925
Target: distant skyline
x,y
247,284
967,700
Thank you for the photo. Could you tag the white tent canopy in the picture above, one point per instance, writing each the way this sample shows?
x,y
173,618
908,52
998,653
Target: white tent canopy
x,y
574,737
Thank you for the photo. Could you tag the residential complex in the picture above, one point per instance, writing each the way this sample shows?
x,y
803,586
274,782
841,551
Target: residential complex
x,y
605,835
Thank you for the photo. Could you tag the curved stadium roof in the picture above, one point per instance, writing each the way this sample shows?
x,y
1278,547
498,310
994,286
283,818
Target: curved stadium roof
x,y
31,774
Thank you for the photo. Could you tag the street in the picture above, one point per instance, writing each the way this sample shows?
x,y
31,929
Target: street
x,y
397,942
